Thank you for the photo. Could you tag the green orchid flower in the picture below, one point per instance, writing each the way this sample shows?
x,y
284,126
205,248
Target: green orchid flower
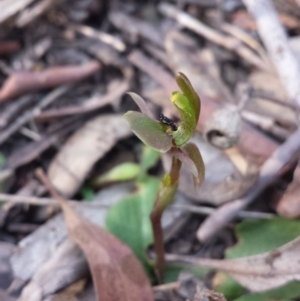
x,y
164,136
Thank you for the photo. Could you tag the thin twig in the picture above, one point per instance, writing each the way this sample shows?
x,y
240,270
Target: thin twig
x,y
205,3
227,42
267,124
108,39
30,151
30,14
13,109
208,211
8,8
269,97
27,59
5,174
248,40
137,27
158,54
90,105
30,134
269,172
31,200
29,114
150,67
166,287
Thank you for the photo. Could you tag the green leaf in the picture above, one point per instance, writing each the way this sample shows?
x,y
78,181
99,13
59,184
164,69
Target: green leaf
x,y
88,193
129,220
226,285
148,160
2,159
259,236
256,237
122,172
172,272
149,131
254,297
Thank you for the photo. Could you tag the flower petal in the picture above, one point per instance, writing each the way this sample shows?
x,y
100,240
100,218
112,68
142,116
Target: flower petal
x,y
149,131
188,105
188,90
141,104
187,162
194,154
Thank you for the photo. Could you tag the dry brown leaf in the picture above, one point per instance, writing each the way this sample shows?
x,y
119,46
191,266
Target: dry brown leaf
x,y
25,81
76,158
117,273
260,272
43,270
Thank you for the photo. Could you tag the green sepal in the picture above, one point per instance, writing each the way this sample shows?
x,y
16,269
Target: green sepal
x,y
141,104
188,90
188,105
194,154
149,131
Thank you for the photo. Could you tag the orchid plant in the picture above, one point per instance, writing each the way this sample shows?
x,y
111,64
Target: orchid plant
x,y
164,136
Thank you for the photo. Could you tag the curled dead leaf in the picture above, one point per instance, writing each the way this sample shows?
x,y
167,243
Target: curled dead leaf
x,y
25,81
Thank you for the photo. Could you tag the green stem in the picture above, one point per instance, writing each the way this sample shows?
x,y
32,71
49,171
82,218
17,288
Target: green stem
x,y
165,196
